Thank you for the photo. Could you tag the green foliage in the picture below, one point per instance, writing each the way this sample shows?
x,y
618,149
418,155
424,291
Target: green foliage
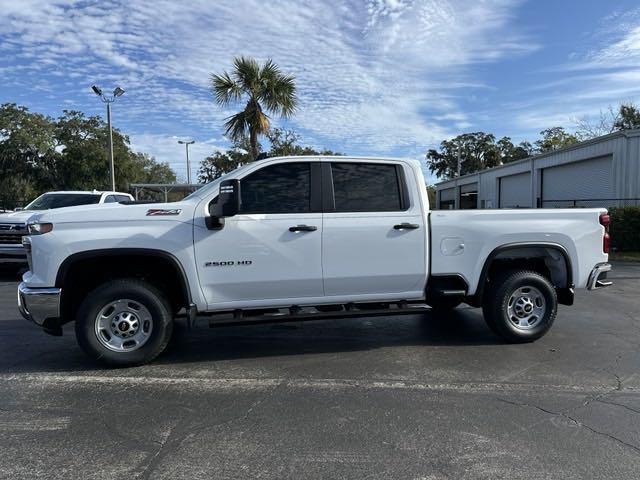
x,y
38,153
27,150
625,228
554,138
262,86
431,195
219,163
143,168
284,143
478,150
628,117
510,152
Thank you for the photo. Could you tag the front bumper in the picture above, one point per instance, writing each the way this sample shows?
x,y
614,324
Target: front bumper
x,y
40,305
13,254
597,278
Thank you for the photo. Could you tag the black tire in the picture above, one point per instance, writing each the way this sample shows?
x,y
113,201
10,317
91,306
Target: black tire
x,y
496,306
141,293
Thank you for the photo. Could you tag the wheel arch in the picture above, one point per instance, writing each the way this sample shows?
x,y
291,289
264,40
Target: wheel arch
x,y
554,256
159,260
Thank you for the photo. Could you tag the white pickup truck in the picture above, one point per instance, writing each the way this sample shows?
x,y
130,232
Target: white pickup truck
x,y
301,238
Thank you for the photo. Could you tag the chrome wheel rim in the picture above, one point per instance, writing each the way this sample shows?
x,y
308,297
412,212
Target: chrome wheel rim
x,y
123,325
526,307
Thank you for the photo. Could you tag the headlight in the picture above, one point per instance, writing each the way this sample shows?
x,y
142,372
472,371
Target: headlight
x,y
39,228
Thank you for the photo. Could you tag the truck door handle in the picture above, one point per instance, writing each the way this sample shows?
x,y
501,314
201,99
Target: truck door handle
x,y
406,226
303,228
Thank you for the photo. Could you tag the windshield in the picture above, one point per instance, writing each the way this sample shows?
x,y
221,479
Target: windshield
x,y
59,200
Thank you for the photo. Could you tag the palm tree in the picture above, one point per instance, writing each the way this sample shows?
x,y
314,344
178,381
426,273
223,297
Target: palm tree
x,y
264,86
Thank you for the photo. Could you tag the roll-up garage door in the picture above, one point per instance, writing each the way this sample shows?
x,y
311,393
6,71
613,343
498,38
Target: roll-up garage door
x,y
469,196
515,191
447,198
584,183
469,188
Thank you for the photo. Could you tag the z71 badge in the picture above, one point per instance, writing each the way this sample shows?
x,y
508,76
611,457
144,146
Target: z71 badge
x,y
229,263
152,212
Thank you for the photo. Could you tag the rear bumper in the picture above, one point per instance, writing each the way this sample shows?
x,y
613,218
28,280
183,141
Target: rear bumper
x,y
39,305
598,277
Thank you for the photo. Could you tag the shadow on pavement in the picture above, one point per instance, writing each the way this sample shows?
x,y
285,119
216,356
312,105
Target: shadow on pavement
x,y
11,273
463,327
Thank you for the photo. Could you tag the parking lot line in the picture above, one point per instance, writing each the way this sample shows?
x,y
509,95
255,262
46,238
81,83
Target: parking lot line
x,y
307,384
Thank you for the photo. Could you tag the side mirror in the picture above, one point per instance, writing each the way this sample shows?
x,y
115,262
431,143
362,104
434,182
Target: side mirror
x,y
228,204
18,209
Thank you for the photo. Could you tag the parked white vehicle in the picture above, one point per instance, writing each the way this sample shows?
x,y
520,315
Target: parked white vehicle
x,y
302,238
13,225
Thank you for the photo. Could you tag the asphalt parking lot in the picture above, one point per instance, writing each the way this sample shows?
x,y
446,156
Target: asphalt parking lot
x,y
415,397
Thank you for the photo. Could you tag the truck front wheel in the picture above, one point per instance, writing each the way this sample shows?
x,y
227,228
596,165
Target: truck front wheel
x,y
124,323
521,306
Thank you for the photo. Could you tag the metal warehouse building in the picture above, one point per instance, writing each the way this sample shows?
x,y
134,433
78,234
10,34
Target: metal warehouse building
x,y
604,171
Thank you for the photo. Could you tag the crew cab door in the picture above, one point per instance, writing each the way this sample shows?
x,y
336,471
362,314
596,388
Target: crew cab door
x,y
270,250
374,235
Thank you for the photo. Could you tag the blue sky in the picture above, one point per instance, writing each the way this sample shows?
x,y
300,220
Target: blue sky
x,y
380,77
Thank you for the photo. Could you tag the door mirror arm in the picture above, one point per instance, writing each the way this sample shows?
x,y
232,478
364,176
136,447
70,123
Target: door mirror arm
x,y
214,223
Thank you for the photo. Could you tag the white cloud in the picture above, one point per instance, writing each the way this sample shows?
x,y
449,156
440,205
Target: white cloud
x,y
620,41
605,74
378,75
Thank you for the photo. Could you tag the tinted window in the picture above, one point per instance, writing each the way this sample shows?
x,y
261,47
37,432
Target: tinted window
x,y
110,199
283,188
59,200
122,198
365,187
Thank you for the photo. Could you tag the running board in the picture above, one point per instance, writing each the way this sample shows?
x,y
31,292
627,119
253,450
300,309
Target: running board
x,y
451,293
300,314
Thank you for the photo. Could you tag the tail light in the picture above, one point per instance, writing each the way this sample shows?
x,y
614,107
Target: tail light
x,y
605,220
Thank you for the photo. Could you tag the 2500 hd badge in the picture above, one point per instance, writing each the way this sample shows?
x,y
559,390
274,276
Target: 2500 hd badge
x,y
229,263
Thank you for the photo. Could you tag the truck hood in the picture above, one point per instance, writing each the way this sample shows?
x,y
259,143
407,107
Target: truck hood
x,y
20,217
176,211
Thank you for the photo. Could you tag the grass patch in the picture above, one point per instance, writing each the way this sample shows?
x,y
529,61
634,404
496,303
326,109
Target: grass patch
x,y
625,256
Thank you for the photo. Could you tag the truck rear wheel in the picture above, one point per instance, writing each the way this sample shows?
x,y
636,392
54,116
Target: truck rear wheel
x,y
124,323
521,307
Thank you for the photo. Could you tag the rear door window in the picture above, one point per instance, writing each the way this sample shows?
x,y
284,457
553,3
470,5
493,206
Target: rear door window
x,y
366,187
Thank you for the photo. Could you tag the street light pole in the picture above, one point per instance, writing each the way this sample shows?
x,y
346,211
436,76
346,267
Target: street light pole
x,y
112,166
186,147
117,92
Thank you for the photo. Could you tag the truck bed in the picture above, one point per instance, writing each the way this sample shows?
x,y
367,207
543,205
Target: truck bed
x,y
462,240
